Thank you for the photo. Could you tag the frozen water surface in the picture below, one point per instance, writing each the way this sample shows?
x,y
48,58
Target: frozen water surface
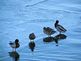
x,y
19,18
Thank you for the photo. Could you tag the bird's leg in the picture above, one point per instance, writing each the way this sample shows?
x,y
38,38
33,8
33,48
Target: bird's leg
x,y
15,49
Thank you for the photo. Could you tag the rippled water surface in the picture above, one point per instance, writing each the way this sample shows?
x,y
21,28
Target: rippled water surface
x,y
19,18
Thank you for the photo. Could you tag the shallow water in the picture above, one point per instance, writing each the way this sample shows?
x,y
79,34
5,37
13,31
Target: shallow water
x,y
20,18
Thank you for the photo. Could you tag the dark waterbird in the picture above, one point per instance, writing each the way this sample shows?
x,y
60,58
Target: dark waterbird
x,y
14,44
48,31
59,28
14,55
32,43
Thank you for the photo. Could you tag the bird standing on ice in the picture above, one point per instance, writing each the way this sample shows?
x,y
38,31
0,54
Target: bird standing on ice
x,y
32,43
49,31
14,44
59,28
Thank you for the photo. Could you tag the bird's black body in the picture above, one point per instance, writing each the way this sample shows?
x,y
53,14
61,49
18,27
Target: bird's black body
x,y
59,27
32,45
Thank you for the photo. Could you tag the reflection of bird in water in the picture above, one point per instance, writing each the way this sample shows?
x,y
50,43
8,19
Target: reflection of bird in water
x,y
48,39
14,44
32,43
14,55
59,37
56,41
59,27
49,31
51,39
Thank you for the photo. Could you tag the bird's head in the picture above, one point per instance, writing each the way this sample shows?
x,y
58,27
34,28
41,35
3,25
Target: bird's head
x,y
57,21
16,41
44,27
32,36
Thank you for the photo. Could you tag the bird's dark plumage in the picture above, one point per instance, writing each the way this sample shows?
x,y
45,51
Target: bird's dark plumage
x,y
59,27
32,43
48,31
32,36
15,44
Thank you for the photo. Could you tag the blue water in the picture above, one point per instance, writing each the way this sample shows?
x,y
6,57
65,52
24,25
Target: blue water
x,y
19,18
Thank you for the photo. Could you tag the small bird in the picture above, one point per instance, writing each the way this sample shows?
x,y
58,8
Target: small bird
x,y
14,44
59,27
32,43
49,31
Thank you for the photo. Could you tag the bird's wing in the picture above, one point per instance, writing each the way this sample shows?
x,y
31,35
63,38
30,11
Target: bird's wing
x,y
61,28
